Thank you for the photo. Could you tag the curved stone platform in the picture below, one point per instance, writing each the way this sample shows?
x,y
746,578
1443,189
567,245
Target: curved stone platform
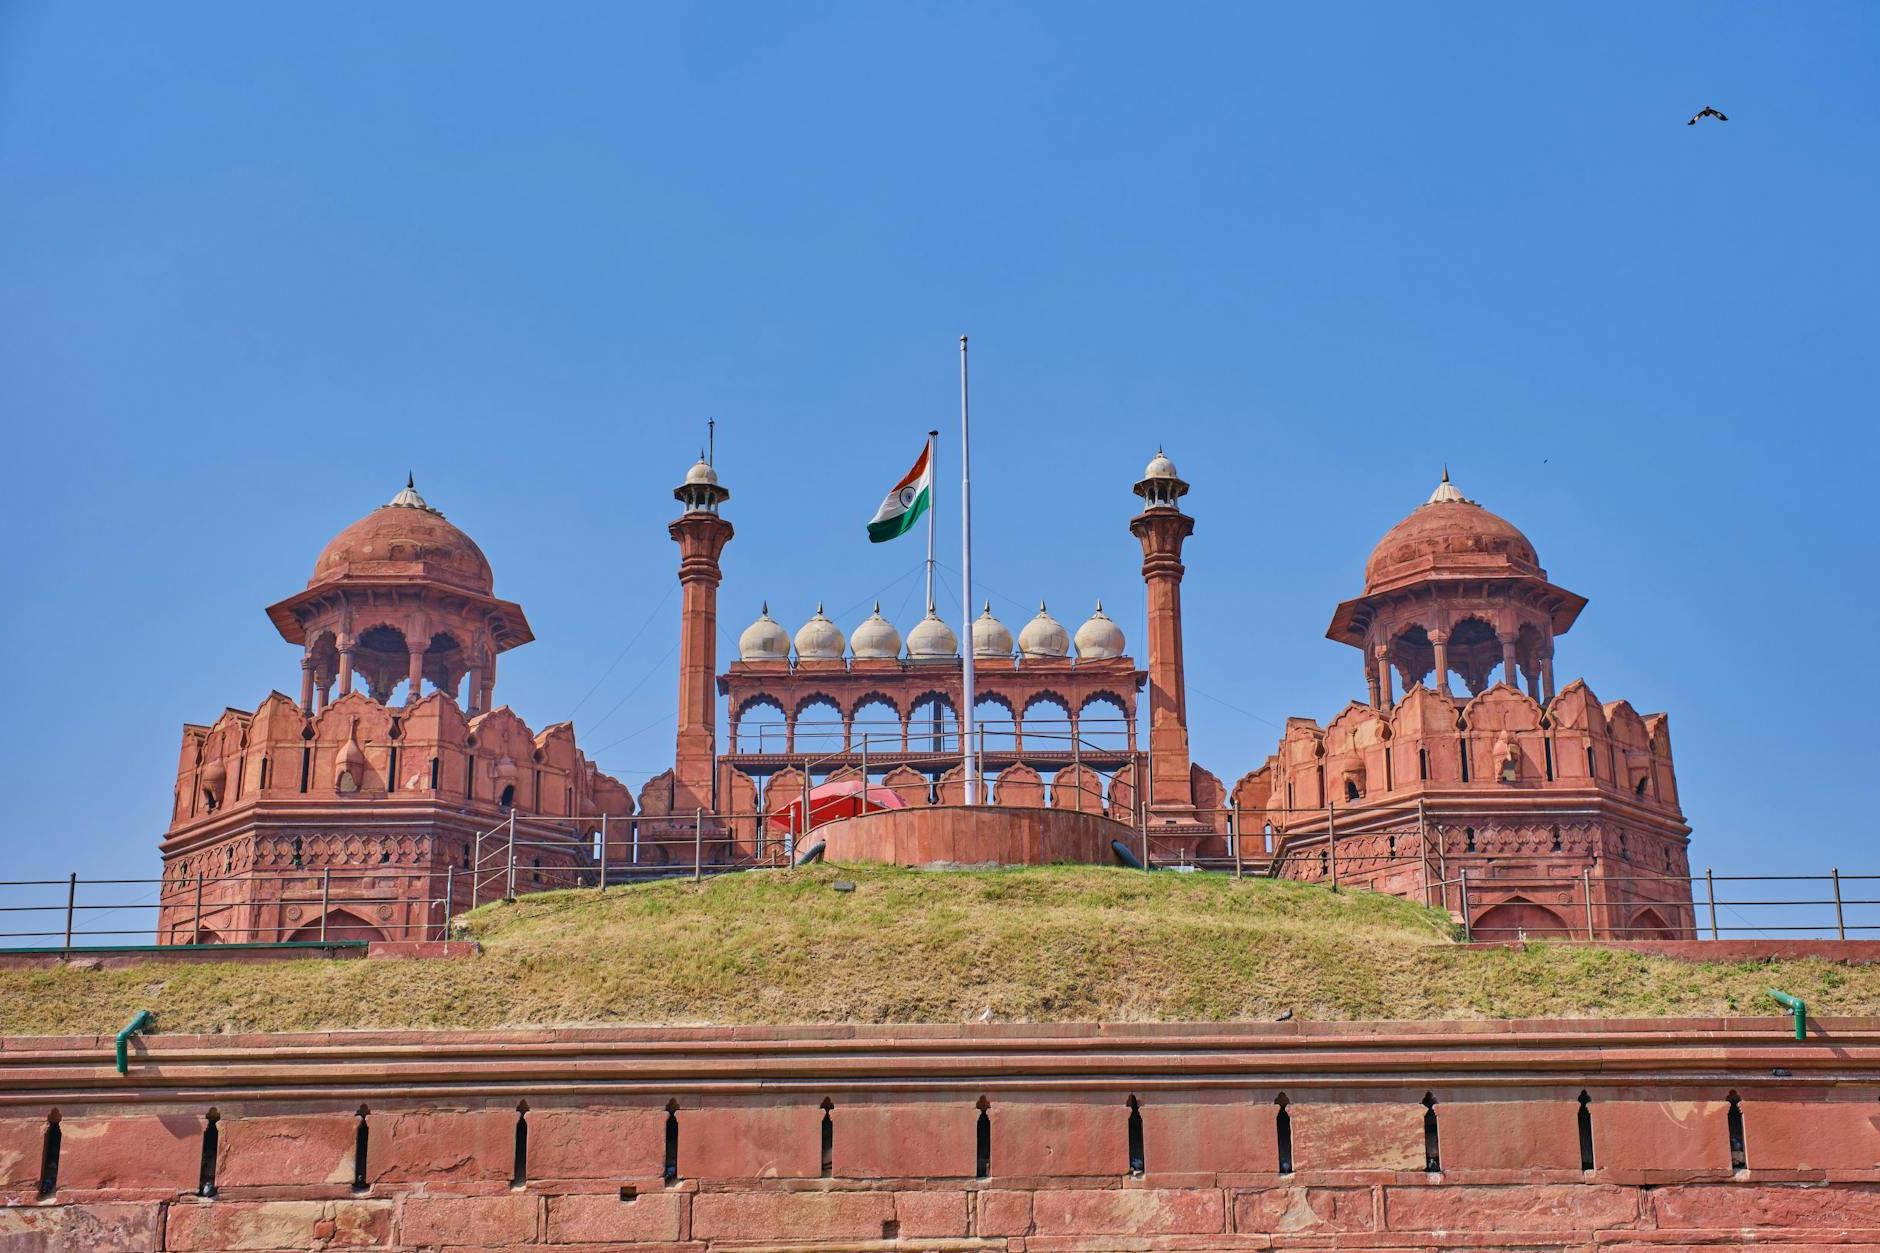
x,y
974,835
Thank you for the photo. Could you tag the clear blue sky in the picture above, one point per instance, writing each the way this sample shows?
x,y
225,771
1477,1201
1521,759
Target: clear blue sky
x,y
258,261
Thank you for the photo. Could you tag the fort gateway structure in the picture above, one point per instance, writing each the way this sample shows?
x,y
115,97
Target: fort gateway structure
x,y
395,790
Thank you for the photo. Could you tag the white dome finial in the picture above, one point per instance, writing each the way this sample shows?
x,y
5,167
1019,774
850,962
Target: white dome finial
x,y
1446,492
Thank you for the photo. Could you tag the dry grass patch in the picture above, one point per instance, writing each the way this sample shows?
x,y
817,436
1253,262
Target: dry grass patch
x,y
1034,944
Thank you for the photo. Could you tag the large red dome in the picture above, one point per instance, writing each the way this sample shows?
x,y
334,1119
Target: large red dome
x,y
1451,537
405,537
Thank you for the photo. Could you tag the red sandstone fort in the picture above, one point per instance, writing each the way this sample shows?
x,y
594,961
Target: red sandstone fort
x,y
395,791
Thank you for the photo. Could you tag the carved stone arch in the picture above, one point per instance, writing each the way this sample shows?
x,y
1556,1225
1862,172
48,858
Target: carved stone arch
x,y
1102,695
913,787
1517,918
761,738
816,698
1077,787
1650,924
341,924
874,696
1018,784
1048,696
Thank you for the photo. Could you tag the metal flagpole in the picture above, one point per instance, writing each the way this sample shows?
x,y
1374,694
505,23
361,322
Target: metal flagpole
x,y
968,757
931,511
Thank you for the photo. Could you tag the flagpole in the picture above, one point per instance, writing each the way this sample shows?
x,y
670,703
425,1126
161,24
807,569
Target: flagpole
x,y
969,758
931,511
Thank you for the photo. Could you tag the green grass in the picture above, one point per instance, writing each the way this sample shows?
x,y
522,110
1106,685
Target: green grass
x,y
1032,945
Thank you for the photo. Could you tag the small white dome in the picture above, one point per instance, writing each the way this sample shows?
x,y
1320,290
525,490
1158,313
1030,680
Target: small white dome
x,y
876,638
990,638
1099,639
1446,492
702,472
764,640
1044,636
932,638
1160,467
819,639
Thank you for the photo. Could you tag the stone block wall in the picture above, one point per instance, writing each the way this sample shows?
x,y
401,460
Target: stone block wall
x,y
1493,1136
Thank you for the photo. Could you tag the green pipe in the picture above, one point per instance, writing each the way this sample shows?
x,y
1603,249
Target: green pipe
x,y
141,1022
1796,1004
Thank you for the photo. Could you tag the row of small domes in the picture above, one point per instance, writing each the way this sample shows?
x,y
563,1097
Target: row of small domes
x,y
819,639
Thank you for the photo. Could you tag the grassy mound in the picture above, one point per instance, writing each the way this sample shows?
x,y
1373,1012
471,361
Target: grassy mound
x,y
1037,944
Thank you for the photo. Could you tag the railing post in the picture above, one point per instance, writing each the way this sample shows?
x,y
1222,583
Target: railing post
x,y
326,895
476,872
1710,894
1840,922
509,890
1586,895
603,852
1467,934
698,844
450,896
1423,851
71,904
1237,825
196,931
1331,840
864,772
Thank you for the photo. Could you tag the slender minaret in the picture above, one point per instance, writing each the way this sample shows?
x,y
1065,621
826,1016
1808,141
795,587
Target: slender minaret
x,y
1162,527
701,535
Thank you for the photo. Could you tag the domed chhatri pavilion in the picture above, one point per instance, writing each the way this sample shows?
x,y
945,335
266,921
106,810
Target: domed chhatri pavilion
x,y
1463,778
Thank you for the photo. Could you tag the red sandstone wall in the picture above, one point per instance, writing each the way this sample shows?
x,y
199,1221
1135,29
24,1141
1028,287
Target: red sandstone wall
x,y
441,1162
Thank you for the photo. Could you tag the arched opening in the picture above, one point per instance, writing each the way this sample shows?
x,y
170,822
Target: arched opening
x,y
933,725
875,725
382,660
759,727
818,724
1474,654
341,924
323,656
1103,724
1649,924
1519,919
445,665
507,799
995,724
1413,655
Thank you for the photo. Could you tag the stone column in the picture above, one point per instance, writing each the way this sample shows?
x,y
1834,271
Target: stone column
x,y
701,535
1547,677
1370,681
346,669
1439,641
1509,674
306,685
1162,531
416,675
1387,698
473,697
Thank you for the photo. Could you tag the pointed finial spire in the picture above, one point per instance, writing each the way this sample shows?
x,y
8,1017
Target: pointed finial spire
x,y
986,609
877,609
1446,492
411,481
819,612
766,609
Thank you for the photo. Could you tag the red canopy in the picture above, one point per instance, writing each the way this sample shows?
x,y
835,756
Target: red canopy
x,y
839,798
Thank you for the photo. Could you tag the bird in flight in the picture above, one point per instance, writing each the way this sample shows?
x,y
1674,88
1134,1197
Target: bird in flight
x,y
1706,111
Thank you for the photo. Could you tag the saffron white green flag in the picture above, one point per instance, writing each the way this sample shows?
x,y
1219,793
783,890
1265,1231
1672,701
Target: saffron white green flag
x,y
911,497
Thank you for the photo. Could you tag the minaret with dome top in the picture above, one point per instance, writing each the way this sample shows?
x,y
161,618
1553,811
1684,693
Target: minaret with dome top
x,y
701,535
1163,528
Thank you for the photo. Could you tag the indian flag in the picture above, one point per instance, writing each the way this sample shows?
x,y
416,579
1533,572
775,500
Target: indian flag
x,y
911,497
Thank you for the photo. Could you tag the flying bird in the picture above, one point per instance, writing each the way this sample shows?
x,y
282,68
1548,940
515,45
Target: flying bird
x,y
1706,111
